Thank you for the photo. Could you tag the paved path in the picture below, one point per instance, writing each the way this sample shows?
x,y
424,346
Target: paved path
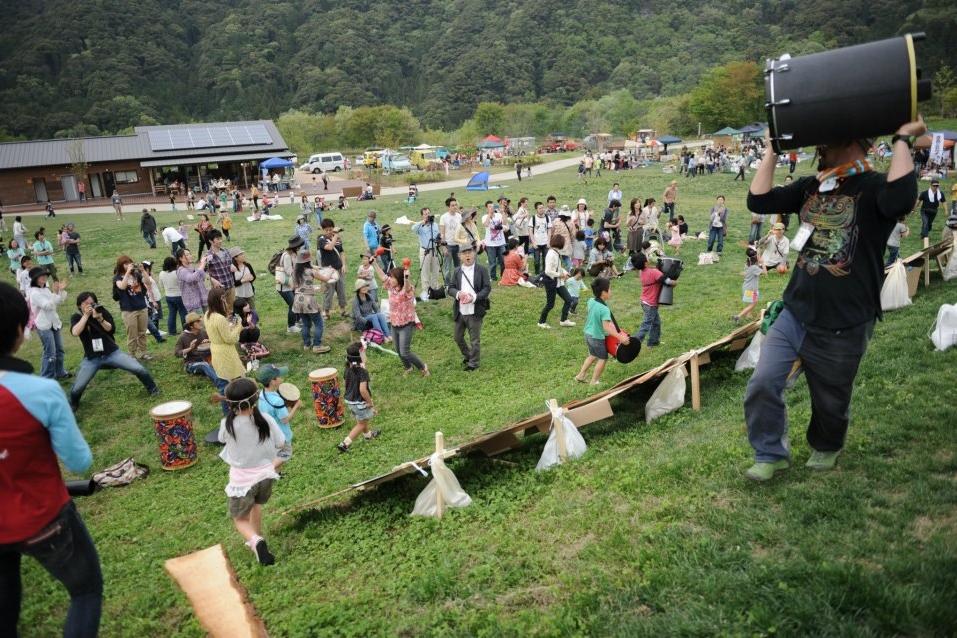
x,y
133,210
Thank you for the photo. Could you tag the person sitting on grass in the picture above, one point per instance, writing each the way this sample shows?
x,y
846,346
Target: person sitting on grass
x,y
358,397
598,324
250,443
601,262
272,404
192,347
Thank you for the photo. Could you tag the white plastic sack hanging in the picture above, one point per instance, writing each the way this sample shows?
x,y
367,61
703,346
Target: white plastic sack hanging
x,y
894,293
446,484
944,332
950,270
749,358
669,396
562,431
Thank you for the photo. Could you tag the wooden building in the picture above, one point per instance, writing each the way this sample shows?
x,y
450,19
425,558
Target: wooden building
x,y
143,163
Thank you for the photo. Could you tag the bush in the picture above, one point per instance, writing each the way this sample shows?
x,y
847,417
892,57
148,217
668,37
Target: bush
x,y
527,160
421,177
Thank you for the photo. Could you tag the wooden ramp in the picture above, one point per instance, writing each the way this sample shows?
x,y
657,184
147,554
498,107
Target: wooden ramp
x,y
581,411
217,597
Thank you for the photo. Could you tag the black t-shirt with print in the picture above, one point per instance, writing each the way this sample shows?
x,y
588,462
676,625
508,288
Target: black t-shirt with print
x,y
93,330
354,377
329,257
836,282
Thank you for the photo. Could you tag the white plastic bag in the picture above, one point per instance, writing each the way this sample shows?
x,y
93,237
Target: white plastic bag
x,y
944,332
705,259
574,443
669,396
950,270
894,293
448,486
749,358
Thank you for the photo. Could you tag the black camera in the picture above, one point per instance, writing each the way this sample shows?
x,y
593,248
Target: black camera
x,y
497,226
98,308
430,219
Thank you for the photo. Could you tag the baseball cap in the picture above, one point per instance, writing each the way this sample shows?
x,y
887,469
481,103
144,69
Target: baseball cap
x,y
270,371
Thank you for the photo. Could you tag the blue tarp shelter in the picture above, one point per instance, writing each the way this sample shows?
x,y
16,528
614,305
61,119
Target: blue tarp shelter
x,y
275,162
479,182
727,130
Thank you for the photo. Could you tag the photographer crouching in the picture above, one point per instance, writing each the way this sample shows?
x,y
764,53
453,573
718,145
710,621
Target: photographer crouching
x,y
38,518
847,212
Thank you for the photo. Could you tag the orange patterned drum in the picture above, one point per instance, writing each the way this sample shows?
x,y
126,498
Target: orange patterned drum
x,y
327,397
173,422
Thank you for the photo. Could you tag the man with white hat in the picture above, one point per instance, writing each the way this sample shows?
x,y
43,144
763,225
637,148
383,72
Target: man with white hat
x,y
469,289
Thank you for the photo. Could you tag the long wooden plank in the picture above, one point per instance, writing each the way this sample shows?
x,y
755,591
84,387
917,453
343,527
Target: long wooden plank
x,y
219,601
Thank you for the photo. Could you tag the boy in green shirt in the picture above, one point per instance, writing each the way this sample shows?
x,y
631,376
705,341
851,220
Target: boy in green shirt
x,y
597,326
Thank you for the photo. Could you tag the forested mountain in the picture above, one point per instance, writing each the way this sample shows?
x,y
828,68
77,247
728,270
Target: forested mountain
x,y
94,66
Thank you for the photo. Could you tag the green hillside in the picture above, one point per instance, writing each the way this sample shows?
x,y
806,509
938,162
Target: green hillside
x,y
97,66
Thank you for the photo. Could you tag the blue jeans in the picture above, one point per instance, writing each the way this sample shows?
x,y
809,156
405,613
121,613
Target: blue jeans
x,y
69,555
650,325
201,367
73,260
288,296
379,322
174,306
496,257
311,327
892,253
926,222
51,363
829,360
716,235
403,343
755,233
116,359
540,252
150,239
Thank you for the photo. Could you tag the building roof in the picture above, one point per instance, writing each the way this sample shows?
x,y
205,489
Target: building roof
x,y
135,147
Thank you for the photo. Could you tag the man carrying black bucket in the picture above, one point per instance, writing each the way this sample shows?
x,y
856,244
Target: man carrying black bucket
x,y
846,213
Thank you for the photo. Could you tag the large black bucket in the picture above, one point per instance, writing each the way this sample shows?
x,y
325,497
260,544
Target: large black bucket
x,y
846,94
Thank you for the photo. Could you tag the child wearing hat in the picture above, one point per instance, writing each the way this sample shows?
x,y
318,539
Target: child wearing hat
x,y
305,302
272,404
358,397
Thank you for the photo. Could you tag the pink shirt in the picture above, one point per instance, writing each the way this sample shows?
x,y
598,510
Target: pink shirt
x,y
651,279
401,305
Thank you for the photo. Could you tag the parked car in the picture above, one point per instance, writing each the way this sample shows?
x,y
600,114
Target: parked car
x,y
323,162
372,158
396,163
421,158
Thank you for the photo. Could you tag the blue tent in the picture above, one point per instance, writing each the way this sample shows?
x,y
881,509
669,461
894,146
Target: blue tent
x,y
275,162
479,182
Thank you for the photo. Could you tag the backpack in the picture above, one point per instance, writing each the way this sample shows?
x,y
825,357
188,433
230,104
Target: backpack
x,y
274,262
122,473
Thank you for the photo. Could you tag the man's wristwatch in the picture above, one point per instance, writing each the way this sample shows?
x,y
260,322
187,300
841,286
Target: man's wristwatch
x,y
907,139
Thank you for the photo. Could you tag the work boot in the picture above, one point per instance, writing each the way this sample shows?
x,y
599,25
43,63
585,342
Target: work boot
x,y
763,471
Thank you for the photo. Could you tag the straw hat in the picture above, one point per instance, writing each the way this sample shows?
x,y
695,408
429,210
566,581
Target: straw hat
x,y
581,200
360,284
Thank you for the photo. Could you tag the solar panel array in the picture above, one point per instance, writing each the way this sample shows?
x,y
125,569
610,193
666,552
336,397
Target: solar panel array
x,y
172,139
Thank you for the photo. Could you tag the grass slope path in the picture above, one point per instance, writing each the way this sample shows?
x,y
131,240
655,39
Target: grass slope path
x,y
653,532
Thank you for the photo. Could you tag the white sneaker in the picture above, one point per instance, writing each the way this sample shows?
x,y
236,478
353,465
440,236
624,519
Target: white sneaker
x,y
545,326
424,296
293,329
568,323
163,333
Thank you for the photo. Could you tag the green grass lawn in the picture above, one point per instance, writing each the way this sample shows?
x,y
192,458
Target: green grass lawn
x,y
654,532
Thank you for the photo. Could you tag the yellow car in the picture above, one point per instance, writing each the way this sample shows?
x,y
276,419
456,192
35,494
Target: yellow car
x,y
372,159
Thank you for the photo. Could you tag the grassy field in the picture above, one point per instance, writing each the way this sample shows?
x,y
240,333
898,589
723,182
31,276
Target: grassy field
x,y
654,532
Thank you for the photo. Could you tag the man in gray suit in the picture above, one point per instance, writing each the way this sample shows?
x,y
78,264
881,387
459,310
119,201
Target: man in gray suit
x,y
469,288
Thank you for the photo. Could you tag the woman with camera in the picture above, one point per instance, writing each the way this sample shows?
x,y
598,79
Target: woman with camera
x,y
94,326
130,291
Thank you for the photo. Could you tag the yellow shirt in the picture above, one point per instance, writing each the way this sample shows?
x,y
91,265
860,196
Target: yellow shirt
x,y
223,337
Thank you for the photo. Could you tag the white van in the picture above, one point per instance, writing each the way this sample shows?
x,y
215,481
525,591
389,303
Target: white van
x,y
323,162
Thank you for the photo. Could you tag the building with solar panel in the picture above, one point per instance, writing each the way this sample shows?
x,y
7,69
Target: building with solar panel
x,y
145,163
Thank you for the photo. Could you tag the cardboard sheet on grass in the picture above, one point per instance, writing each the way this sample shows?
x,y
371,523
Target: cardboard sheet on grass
x,y
581,412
